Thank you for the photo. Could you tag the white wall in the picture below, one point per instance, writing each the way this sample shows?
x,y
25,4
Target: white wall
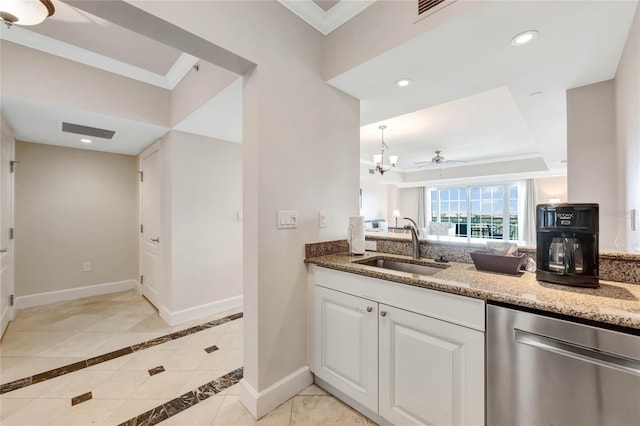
x,y
627,93
591,149
551,187
197,88
408,202
206,245
72,206
375,201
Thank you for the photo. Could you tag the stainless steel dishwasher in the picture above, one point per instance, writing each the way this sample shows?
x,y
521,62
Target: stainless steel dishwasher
x,y
548,371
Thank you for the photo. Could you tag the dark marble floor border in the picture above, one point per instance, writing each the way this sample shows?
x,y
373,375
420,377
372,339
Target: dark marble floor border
x,y
177,405
66,369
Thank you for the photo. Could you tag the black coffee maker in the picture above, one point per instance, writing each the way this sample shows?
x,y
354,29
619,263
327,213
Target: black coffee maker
x,y
567,244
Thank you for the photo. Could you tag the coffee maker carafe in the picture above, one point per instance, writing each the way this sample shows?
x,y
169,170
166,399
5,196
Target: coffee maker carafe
x,y
567,244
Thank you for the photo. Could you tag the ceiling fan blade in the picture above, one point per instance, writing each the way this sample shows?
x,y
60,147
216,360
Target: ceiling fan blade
x,y
456,161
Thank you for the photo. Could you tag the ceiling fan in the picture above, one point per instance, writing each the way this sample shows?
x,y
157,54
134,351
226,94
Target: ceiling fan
x,y
438,160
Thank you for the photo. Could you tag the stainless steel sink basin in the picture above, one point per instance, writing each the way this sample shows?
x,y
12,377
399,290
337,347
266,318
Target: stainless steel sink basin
x,y
394,265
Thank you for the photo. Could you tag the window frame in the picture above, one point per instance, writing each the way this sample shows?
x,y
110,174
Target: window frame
x,y
506,209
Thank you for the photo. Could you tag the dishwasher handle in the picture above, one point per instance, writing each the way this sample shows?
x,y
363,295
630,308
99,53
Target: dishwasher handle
x,y
580,352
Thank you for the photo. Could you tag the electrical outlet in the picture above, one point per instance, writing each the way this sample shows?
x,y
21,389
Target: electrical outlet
x,y
86,267
371,245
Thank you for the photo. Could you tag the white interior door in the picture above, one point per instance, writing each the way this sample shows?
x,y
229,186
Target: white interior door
x,y
150,206
6,222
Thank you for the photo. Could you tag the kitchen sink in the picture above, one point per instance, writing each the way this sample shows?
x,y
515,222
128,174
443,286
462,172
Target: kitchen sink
x,y
395,265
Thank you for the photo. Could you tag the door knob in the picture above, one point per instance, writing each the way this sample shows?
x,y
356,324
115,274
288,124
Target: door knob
x,y
156,240
4,250
369,309
383,313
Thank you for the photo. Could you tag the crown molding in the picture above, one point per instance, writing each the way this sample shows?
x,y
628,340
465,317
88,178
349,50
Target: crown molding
x,y
326,22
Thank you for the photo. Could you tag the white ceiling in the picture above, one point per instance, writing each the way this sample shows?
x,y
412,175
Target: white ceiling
x,y
458,63
470,91
89,32
463,129
34,121
87,39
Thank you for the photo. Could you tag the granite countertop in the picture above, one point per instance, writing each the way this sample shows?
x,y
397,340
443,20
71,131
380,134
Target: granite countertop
x,y
613,303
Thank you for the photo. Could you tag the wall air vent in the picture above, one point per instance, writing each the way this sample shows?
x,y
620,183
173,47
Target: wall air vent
x,y
428,7
87,131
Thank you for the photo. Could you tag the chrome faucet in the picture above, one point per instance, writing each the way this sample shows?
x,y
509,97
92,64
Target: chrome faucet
x,y
415,242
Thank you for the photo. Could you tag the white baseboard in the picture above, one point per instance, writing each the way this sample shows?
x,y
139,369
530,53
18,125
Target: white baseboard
x,y
200,311
74,293
261,403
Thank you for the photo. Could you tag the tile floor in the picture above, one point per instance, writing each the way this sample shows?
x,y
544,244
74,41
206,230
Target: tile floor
x,y
52,336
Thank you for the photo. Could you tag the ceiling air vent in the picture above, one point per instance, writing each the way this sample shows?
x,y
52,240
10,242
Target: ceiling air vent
x,y
87,131
428,7
372,172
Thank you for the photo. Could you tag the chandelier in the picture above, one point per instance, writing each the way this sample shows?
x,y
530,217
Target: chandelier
x,y
25,12
378,159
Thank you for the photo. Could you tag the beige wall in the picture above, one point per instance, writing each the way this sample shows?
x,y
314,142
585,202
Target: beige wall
x,y
33,74
592,153
300,152
73,206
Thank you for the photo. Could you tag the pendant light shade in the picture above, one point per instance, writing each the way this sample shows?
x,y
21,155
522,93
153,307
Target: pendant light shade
x,y
25,12
378,159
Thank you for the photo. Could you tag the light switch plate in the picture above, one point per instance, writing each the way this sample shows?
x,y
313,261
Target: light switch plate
x,y
287,219
322,217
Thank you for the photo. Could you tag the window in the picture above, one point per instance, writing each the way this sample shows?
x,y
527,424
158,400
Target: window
x,y
489,212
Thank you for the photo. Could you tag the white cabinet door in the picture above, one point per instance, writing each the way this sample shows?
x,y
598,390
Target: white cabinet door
x,y
431,371
346,346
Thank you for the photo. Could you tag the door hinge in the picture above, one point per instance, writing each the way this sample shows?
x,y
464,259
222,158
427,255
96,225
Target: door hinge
x,y
11,233
11,300
141,228
141,175
141,279
12,166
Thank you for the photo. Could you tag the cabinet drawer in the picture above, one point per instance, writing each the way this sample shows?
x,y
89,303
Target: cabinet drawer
x,y
465,311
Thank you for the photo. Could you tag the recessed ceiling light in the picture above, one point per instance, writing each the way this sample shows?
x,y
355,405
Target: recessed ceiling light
x,y
86,140
524,38
403,82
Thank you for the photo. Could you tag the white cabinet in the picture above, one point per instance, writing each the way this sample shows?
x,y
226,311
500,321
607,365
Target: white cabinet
x,y
347,335
410,368
431,371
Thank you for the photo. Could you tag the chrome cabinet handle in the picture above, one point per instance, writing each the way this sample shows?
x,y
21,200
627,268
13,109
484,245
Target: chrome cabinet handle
x,y
383,313
369,309
155,240
4,250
